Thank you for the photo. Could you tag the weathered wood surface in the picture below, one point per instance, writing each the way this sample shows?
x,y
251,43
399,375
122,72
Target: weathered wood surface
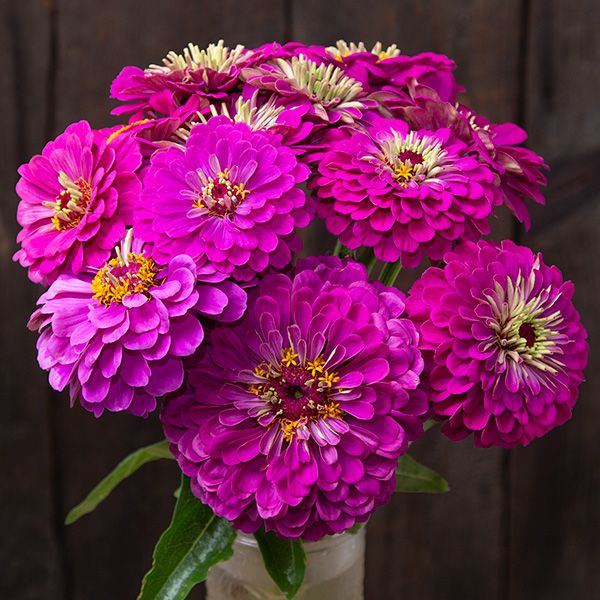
x,y
516,525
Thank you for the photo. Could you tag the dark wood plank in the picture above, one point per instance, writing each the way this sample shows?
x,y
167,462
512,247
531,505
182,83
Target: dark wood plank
x,y
109,551
452,546
556,481
29,546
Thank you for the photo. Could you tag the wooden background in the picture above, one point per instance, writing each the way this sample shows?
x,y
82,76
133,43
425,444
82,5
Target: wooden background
x,y
517,525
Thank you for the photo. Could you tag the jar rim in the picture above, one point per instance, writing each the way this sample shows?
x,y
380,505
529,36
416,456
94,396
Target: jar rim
x,y
329,541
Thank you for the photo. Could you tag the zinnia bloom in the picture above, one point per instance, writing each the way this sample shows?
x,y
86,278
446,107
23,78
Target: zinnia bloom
x,y
519,170
295,417
231,197
389,71
117,338
503,344
210,72
328,93
404,193
77,198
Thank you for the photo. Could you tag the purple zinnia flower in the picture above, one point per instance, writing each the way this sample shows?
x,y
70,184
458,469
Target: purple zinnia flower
x,y
210,72
117,338
231,197
404,193
77,198
503,344
295,418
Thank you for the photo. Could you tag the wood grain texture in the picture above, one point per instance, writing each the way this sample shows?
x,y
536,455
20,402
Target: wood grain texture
x,y
555,517
30,559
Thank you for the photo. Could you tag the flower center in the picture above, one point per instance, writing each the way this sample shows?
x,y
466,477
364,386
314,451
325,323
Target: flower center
x,y
296,393
216,57
527,332
526,329
122,276
71,203
326,84
343,49
220,196
410,157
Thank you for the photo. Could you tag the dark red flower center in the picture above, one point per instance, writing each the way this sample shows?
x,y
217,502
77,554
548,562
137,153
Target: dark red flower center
x,y
297,392
413,157
527,332
220,196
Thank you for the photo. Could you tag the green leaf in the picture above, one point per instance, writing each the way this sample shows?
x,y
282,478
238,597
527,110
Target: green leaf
x,y
124,469
195,540
412,476
284,559
429,424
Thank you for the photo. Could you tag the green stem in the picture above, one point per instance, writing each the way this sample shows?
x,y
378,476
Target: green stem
x,y
371,265
338,248
429,424
390,272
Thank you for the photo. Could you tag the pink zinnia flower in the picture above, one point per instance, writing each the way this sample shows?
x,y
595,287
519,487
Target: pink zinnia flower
x,y
230,197
117,338
503,344
295,418
403,193
77,198
210,72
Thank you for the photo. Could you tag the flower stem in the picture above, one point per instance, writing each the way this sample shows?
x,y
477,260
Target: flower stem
x,y
390,272
338,248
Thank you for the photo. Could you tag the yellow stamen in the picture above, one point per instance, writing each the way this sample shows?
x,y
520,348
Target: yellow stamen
x,y
329,378
125,128
315,366
109,288
290,358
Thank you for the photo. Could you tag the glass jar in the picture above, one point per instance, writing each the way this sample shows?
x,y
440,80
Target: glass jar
x,y
335,569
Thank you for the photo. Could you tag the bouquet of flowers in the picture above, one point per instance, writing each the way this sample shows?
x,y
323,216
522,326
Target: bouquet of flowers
x,y
288,388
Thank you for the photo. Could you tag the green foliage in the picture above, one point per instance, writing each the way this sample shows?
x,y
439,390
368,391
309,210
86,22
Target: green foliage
x,y
284,560
124,469
195,540
412,476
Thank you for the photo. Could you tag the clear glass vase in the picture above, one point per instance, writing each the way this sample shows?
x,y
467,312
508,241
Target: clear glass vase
x,y
335,570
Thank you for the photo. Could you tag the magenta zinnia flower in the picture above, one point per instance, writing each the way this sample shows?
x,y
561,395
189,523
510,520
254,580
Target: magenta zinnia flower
x,y
295,418
503,344
387,70
117,338
328,94
519,170
210,72
231,197
77,198
404,193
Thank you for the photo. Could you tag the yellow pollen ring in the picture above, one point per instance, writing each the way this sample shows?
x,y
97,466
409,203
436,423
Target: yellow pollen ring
x,y
109,288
